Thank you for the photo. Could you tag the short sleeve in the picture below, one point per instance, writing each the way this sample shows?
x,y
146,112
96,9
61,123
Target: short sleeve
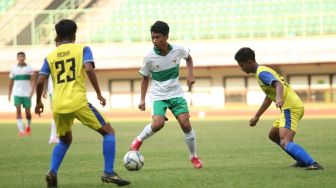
x,y
45,70
11,74
267,78
145,69
31,71
87,55
185,52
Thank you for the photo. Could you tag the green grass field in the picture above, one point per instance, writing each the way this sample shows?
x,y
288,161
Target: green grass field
x,y
234,155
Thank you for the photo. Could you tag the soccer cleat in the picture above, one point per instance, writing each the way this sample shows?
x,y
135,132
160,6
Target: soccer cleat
x,y
298,165
314,166
51,179
108,178
135,146
196,162
53,140
27,131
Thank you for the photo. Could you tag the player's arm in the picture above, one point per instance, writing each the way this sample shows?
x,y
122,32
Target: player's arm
x,y
93,79
190,73
11,83
89,68
144,88
264,106
45,89
32,82
43,76
279,94
39,90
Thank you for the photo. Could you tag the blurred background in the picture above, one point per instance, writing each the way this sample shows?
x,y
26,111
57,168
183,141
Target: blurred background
x,y
296,38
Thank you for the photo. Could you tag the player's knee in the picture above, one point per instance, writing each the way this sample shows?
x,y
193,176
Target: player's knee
x,y
157,125
273,138
283,143
186,127
66,141
106,129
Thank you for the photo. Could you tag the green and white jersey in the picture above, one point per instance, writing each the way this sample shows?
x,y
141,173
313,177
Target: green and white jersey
x,y
164,72
21,76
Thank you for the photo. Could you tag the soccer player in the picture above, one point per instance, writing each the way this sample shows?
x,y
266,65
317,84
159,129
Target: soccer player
x,y
162,64
277,90
22,83
67,65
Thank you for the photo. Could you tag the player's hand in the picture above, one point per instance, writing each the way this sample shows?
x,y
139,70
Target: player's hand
x,y
279,103
102,100
190,82
39,108
253,121
142,105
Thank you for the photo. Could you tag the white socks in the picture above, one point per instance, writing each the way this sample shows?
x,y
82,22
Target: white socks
x,y
190,140
146,133
53,133
20,125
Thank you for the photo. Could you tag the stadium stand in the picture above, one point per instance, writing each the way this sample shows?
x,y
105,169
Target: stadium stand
x,y
209,19
128,20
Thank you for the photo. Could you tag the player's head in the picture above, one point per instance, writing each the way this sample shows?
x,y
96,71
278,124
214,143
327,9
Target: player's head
x,y
21,57
66,30
57,41
246,60
159,33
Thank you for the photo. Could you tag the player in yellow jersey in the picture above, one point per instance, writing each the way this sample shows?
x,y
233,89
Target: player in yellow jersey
x,y
67,66
277,90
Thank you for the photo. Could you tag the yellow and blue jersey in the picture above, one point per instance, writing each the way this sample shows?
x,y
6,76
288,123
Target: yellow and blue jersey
x,y
65,65
266,76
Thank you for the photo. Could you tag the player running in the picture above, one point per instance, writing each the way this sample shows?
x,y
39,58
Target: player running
x,y
162,64
22,85
292,109
67,65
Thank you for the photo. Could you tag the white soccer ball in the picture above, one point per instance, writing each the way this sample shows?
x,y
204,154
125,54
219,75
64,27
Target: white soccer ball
x,y
133,160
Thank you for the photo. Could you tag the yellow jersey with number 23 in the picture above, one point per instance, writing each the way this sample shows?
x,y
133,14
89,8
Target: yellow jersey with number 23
x,y
66,68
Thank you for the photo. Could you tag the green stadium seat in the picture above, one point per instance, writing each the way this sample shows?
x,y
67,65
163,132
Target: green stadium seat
x,y
218,19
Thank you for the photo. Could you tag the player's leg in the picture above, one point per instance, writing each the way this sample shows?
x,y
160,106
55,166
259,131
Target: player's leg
x,y
274,135
57,156
287,132
180,110
27,105
158,121
63,126
19,121
28,118
17,103
94,119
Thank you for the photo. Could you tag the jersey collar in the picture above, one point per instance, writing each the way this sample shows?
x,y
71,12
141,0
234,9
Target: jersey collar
x,y
23,65
158,51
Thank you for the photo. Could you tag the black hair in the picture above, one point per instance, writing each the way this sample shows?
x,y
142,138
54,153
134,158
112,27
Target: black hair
x,y
245,54
66,29
160,27
21,53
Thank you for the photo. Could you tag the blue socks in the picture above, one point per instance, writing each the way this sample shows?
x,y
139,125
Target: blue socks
x,y
109,153
57,156
297,152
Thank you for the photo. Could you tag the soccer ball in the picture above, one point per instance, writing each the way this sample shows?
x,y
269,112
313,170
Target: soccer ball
x,y
133,160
